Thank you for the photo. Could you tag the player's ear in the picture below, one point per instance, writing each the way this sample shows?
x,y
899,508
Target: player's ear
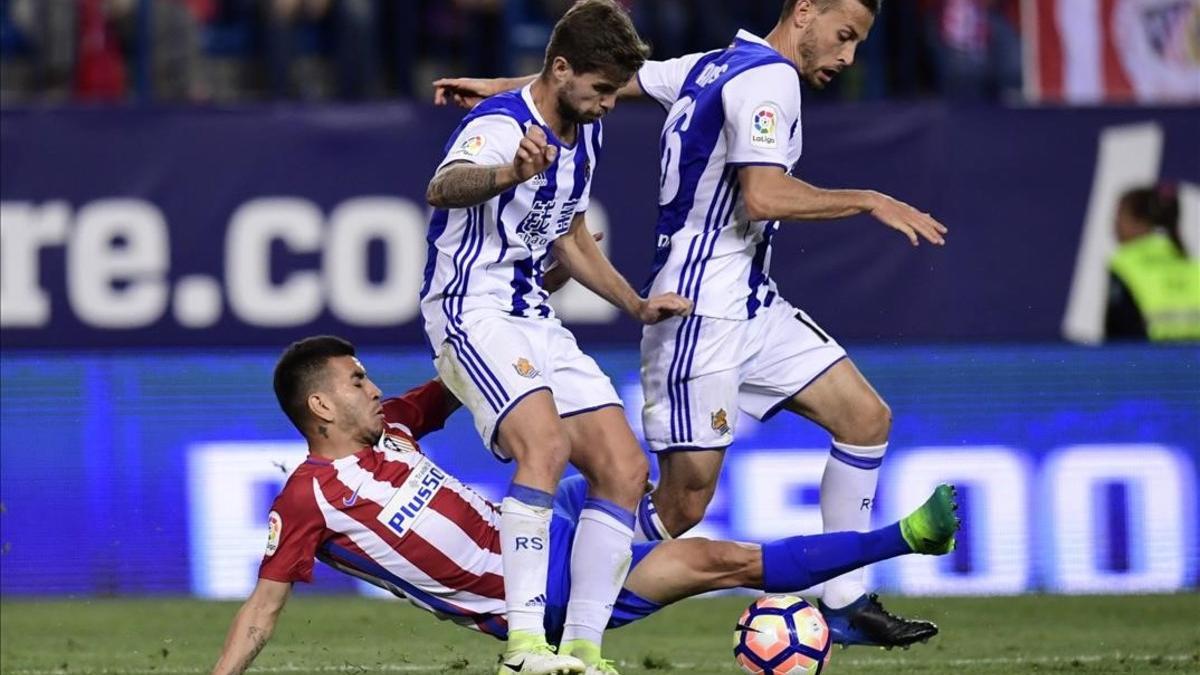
x,y
560,69
802,14
320,407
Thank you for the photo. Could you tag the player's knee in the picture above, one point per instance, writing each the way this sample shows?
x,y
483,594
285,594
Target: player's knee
x,y
691,509
871,423
623,476
727,563
548,453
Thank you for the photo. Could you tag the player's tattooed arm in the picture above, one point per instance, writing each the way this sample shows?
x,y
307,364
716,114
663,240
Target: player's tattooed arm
x,y
463,184
252,627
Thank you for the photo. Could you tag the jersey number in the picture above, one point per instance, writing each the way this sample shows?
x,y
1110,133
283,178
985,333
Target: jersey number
x,y
672,148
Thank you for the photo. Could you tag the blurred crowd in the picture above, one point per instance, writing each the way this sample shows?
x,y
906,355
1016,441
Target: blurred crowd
x,y
234,50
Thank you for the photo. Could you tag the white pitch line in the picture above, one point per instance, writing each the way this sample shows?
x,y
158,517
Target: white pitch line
x,y
288,668
883,662
871,662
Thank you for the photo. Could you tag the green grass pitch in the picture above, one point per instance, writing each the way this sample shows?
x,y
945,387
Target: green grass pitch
x,y
320,634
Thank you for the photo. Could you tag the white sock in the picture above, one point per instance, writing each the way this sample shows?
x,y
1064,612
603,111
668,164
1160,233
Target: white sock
x,y
647,525
847,499
599,563
525,552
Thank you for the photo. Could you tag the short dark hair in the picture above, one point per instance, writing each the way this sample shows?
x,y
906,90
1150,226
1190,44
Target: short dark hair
x,y
826,5
299,370
597,36
1157,206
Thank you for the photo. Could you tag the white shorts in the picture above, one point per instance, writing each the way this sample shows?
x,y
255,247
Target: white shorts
x,y
493,362
697,372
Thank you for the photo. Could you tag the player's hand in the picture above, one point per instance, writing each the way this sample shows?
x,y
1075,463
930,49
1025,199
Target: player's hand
x,y
534,155
662,307
464,92
914,224
556,276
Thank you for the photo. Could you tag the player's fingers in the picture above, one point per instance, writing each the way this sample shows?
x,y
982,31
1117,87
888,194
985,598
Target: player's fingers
x,y
937,225
531,149
930,234
929,222
550,152
535,134
439,95
935,229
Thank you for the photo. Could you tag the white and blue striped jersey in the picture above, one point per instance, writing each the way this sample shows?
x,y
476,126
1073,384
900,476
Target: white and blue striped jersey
x,y
729,108
491,257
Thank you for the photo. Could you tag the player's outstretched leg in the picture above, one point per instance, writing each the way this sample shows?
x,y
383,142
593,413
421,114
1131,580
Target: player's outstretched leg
x,y
930,530
680,568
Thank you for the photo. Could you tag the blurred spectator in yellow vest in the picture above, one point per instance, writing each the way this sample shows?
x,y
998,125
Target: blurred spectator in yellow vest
x,y
1155,287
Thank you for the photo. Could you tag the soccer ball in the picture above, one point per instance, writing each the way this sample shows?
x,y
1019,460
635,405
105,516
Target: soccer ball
x,y
781,635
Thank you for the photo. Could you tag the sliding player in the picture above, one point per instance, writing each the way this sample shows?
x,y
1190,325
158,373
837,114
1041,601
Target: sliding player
x,y
370,503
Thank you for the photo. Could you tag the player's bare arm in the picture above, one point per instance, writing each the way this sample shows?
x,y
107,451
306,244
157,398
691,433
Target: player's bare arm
x,y
463,184
252,627
467,92
583,260
556,276
771,194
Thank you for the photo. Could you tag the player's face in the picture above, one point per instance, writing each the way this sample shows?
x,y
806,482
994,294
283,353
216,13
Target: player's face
x,y
583,99
827,44
359,410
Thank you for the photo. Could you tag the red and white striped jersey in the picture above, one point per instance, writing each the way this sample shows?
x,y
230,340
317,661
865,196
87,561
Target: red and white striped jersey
x,y
389,515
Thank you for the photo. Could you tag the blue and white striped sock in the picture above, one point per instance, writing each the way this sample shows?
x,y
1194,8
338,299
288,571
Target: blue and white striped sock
x,y
648,526
525,556
847,499
599,563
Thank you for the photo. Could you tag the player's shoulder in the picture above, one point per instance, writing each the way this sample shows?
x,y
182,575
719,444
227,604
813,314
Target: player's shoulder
x,y
781,76
297,492
502,108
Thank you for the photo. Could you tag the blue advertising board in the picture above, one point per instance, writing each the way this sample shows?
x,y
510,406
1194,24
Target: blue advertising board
x,y
132,228
152,472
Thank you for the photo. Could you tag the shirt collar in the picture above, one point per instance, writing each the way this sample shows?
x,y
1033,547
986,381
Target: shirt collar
x,y
746,35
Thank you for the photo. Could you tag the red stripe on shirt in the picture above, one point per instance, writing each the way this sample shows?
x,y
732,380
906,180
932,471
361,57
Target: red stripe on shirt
x,y
413,547
1050,52
1117,87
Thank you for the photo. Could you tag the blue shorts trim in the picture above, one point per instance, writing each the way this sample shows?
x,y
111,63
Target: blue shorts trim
x,y
782,402
742,164
500,418
594,408
688,448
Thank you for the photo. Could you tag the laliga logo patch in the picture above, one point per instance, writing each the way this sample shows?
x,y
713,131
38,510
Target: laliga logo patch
x,y
525,369
720,422
274,531
764,126
472,146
